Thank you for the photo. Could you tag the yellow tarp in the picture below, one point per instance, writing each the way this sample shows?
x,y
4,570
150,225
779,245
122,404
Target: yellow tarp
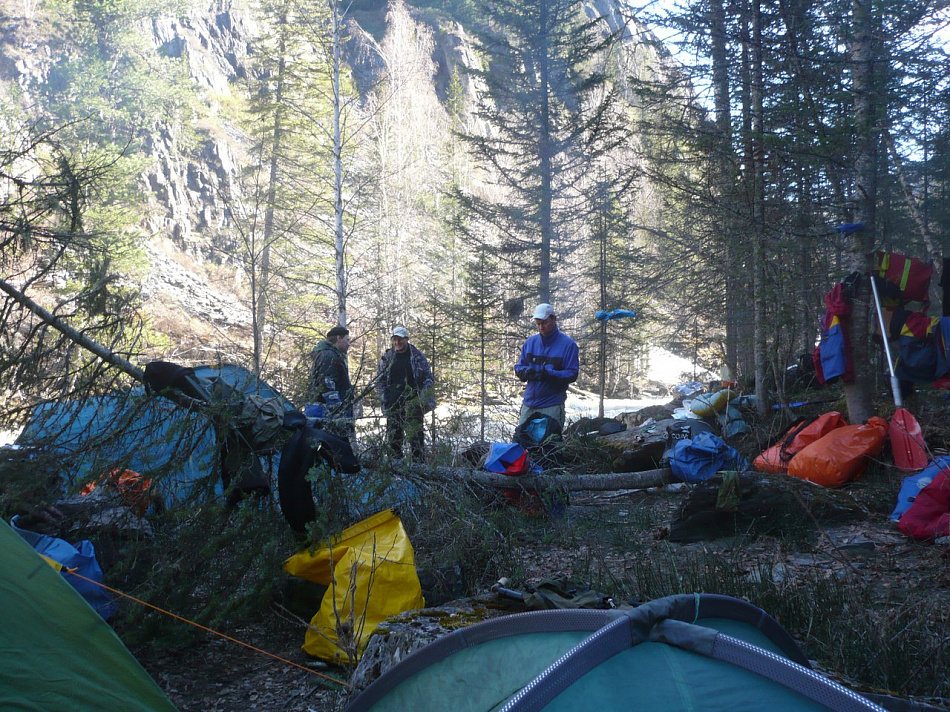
x,y
370,572
55,564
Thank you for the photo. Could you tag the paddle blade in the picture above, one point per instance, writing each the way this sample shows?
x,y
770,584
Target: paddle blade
x,y
907,441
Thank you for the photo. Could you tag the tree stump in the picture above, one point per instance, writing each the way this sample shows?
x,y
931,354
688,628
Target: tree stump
x,y
402,635
757,503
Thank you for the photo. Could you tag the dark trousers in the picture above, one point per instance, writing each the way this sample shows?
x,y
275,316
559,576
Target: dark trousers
x,y
404,420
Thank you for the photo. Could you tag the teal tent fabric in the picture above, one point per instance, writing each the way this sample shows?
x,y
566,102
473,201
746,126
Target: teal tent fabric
x,y
687,653
149,435
57,653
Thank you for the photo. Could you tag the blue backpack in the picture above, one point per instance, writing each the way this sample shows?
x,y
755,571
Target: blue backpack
x,y
699,458
913,484
80,558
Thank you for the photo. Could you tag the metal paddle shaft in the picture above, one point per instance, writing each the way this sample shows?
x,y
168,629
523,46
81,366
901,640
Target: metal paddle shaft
x,y
907,440
895,384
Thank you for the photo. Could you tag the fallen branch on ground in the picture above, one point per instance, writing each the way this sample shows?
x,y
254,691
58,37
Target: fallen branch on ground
x,y
569,483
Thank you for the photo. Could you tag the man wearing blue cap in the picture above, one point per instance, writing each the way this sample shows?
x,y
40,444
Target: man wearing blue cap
x,y
549,363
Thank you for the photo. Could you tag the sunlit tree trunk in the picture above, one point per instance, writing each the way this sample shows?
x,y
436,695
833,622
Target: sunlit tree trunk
x,y
339,241
724,173
545,151
260,278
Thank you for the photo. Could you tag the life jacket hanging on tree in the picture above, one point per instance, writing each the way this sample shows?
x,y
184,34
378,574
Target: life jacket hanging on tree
x,y
907,279
833,354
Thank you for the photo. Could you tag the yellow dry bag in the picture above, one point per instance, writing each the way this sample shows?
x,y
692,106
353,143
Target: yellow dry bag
x,y
370,572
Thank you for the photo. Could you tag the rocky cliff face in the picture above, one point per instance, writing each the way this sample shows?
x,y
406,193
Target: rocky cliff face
x,y
191,189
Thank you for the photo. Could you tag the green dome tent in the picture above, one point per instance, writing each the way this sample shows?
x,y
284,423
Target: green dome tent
x,y
57,653
681,653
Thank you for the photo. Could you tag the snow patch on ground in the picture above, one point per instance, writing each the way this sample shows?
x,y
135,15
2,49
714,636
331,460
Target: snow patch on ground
x,y
581,404
665,367
670,369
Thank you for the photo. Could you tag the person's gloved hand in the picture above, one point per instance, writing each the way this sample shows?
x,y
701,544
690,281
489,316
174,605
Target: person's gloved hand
x,y
547,373
532,372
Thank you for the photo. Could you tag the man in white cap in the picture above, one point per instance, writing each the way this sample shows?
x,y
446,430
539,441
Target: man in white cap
x,y
405,386
549,363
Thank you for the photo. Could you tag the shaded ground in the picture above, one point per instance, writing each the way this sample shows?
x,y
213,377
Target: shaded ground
x,y
221,675
607,540
618,542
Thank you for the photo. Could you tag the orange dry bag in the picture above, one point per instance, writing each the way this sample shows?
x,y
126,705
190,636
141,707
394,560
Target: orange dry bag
x,y
800,435
842,455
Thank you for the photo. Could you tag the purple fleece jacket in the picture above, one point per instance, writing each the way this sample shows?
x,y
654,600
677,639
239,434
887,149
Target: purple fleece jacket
x,y
549,366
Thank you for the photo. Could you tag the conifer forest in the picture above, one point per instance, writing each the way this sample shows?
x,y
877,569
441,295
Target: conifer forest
x,y
222,182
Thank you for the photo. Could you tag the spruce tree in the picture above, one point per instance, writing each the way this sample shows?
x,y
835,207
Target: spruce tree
x,y
546,127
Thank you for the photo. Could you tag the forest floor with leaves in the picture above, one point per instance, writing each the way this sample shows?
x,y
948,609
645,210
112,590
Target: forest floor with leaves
x,y
617,542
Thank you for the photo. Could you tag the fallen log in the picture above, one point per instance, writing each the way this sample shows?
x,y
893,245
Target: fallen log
x,y
565,483
103,353
72,334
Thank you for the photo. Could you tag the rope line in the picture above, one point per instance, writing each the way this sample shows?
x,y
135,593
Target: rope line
x,y
201,627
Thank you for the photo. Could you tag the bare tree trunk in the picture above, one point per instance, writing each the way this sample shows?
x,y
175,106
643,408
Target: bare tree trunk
x,y
69,332
722,101
745,323
758,211
339,243
607,481
545,151
482,365
259,283
858,256
602,366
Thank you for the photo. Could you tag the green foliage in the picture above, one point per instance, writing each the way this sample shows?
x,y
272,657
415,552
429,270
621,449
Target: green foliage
x,y
550,121
285,212
452,525
461,11
219,567
76,218
107,87
69,226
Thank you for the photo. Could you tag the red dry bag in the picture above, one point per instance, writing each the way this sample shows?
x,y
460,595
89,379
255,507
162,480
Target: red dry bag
x,y
800,435
842,455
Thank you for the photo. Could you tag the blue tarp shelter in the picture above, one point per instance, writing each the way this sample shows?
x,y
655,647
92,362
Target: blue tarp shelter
x,y
176,446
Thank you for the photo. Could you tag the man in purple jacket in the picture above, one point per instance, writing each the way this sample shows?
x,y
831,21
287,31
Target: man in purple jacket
x,y
549,364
